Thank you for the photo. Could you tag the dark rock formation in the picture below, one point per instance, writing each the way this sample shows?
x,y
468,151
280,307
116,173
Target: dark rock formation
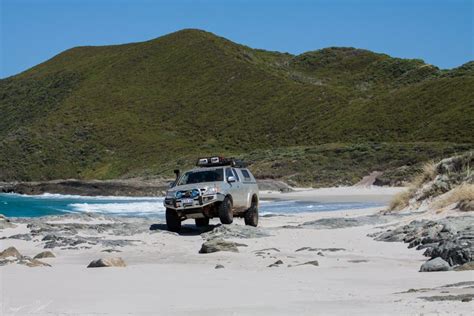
x,y
44,254
436,264
215,245
109,262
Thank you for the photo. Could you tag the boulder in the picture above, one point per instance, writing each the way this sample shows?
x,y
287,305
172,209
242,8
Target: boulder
x,y
109,262
436,264
216,245
219,266
312,263
235,231
5,222
44,254
276,264
10,252
33,263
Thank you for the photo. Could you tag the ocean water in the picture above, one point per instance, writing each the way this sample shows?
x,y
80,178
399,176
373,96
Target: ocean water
x,y
16,205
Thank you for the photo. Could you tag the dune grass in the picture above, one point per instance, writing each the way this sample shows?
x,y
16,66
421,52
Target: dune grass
x,y
460,194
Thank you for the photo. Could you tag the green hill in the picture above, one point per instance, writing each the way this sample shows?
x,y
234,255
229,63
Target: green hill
x,y
141,109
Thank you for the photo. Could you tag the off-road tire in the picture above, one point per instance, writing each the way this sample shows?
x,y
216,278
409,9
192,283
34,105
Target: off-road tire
x,y
173,221
251,215
225,211
202,222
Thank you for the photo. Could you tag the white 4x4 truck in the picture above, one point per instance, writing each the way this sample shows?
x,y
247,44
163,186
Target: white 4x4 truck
x,y
217,187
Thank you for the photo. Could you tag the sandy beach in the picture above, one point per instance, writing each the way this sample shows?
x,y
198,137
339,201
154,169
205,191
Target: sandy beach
x,y
305,264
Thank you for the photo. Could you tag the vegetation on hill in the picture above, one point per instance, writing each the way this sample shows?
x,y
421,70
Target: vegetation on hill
x,y
141,109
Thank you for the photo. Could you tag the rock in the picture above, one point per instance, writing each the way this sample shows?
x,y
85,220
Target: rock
x,y
466,205
5,222
276,264
109,262
312,263
235,231
10,252
219,266
451,238
441,298
319,249
111,250
436,264
33,263
465,267
215,245
26,237
343,222
44,254
358,261
267,249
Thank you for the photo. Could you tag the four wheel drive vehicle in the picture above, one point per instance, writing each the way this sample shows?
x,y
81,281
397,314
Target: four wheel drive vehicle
x,y
217,187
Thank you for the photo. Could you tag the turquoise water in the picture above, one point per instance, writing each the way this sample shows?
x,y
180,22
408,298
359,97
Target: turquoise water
x,y
15,205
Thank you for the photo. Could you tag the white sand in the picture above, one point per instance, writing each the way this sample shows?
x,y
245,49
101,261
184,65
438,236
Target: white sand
x,y
167,276
339,194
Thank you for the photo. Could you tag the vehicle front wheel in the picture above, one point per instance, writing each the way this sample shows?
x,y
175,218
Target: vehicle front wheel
x,y
225,211
202,222
251,215
173,221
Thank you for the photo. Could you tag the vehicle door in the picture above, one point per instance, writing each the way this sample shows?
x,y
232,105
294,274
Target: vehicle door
x,y
235,188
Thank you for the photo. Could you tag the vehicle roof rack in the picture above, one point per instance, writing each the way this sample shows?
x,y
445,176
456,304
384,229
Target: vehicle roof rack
x,y
220,161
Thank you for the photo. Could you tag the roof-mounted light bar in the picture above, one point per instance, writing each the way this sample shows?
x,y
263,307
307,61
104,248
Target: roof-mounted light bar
x,y
220,161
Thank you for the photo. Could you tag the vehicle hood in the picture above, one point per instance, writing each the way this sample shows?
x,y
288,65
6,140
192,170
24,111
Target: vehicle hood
x,y
199,186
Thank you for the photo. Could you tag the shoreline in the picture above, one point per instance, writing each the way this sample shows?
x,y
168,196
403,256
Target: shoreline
x,y
329,265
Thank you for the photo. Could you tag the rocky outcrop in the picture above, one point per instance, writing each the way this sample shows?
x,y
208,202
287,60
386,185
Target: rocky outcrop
x,y
345,222
107,263
10,252
12,255
235,231
33,263
215,245
436,264
5,222
450,238
44,254
441,178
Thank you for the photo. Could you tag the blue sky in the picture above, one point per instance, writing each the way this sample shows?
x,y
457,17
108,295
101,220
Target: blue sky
x,y
440,32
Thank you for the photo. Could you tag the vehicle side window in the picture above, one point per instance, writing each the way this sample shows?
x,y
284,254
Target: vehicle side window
x,y
236,174
246,175
228,173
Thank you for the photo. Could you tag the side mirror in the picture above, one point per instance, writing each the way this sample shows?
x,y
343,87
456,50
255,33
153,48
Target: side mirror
x,y
171,184
230,179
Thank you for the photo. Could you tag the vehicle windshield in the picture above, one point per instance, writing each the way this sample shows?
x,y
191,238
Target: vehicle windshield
x,y
199,176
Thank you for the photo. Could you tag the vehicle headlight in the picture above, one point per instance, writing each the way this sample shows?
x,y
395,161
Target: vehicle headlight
x,y
211,190
179,194
170,194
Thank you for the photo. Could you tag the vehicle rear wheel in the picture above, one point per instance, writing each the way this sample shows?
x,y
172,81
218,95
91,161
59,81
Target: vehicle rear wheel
x,y
225,211
251,215
173,221
201,222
